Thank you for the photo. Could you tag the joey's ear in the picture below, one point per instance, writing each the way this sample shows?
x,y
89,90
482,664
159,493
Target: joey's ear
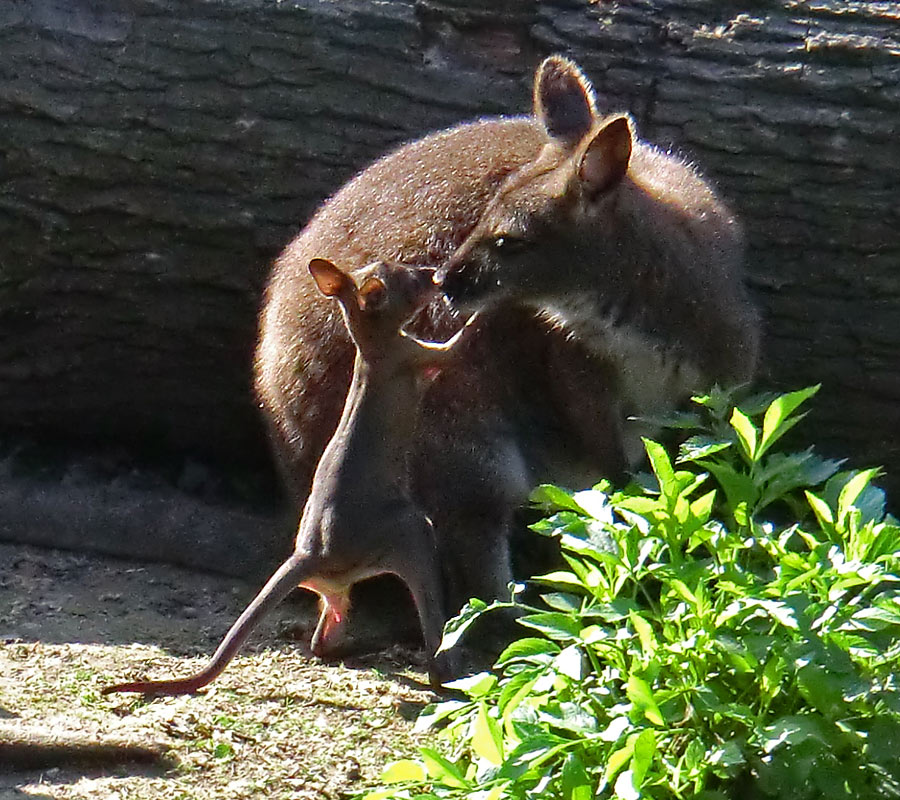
x,y
372,294
564,100
605,161
331,280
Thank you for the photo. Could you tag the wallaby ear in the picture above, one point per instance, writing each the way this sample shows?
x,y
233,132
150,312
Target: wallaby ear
x,y
372,294
605,161
331,280
564,100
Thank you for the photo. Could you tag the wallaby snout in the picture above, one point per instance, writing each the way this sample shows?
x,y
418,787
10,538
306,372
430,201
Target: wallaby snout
x,y
422,286
467,280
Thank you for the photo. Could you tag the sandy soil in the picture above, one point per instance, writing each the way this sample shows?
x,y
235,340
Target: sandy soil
x,y
277,723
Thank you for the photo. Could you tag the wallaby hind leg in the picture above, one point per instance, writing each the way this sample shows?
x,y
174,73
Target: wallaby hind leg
x,y
416,561
475,552
477,558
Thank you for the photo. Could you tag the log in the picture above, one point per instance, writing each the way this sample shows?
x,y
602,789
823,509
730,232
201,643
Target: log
x,y
155,156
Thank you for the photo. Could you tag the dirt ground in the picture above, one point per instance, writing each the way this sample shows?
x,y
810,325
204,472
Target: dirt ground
x,y
277,723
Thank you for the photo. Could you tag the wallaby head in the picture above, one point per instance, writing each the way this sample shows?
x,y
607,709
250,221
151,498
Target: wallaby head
x,y
375,310
604,231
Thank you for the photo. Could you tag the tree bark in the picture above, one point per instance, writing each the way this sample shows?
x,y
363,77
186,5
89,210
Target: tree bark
x,y
155,156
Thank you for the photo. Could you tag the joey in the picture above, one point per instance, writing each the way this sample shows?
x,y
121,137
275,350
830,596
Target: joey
x,y
360,519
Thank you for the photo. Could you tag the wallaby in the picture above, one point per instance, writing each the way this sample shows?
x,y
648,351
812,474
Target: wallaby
x,y
360,519
609,273
620,244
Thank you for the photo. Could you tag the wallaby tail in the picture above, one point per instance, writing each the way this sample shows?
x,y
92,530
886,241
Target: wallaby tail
x,y
286,577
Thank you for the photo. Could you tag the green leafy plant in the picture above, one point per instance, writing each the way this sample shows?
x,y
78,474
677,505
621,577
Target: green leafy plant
x,y
726,626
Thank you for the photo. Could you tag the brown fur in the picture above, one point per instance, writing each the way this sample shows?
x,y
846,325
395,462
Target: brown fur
x,y
624,296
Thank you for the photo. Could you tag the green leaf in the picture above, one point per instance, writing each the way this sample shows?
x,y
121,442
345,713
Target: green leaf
x,y
442,769
532,752
526,649
852,491
640,694
776,423
727,759
747,433
680,588
698,447
645,634
223,750
885,542
494,794
476,685
553,624
784,473
571,717
576,785
552,498
404,770
870,500
458,625
487,738
823,513
560,578
383,794
566,602
790,730
884,739
617,760
662,468
432,715
777,610
702,507
642,760
515,690
820,688
739,487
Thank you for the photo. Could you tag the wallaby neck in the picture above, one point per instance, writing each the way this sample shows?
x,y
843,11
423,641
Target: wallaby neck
x,y
370,447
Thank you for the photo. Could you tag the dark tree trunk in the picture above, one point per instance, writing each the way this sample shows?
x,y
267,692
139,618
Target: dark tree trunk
x,y
155,155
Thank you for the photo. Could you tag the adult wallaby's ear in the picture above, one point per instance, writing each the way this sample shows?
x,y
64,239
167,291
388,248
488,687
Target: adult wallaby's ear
x,y
564,100
331,280
372,294
605,161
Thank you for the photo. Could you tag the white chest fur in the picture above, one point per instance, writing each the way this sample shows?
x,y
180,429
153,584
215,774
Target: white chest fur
x,y
652,380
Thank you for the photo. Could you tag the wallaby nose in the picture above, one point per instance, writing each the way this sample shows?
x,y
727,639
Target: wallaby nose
x,y
451,276
444,276
425,277
448,268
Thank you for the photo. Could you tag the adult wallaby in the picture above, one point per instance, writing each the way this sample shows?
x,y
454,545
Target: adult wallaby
x,y
360,519
609,275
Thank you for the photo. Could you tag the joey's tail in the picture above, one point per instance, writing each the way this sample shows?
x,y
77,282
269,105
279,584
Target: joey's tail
x,y
286,577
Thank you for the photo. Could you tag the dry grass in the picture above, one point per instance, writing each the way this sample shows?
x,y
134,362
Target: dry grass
x,y
275,724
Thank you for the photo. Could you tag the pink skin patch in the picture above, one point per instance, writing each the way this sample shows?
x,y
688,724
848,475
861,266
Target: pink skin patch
x,y
334,605
334,608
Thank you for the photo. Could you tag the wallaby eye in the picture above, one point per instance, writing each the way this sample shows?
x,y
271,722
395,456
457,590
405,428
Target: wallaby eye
x,y
510,244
